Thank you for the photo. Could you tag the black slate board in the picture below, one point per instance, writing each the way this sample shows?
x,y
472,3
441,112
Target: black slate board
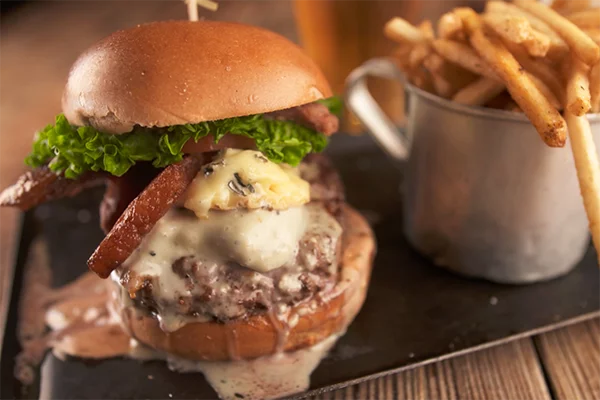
x,y
414,313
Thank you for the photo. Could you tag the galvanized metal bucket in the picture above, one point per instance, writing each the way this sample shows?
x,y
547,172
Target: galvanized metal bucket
x,y
483,195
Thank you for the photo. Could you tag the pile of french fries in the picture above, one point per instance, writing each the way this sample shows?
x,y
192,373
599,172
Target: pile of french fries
x,y
520,56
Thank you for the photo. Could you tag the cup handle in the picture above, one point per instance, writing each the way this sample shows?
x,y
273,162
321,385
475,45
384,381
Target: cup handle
x,y
363,105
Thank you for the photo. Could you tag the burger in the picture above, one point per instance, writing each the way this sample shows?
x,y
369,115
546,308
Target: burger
x,y
228,237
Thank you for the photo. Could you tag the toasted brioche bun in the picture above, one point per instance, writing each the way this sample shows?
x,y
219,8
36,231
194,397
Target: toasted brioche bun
x,y
257,336
177,72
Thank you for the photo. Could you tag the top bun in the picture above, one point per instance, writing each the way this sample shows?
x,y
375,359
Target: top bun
x,y
177,72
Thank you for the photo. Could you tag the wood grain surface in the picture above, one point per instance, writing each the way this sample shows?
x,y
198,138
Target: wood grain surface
x,y
41,40
570,357
508,371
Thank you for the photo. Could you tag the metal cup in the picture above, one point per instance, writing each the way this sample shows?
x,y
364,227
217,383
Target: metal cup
x,y
483,195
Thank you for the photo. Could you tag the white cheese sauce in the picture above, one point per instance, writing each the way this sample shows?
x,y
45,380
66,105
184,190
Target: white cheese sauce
x,y
261,240
269,377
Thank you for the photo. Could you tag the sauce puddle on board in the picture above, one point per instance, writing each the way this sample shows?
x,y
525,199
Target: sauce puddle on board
x,y
82,325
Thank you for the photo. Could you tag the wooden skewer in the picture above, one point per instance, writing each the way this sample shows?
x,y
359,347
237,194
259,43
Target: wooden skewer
x,y
192,8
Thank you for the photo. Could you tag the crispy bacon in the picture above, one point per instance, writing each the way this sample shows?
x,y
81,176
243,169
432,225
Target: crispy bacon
x,y
312,115
120,191
41,185
142,214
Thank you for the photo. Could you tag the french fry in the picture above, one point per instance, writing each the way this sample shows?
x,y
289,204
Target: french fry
x,y
402,31
504,8
438,64
558,47
422,79
479,92
583,46
494,90
595,88
558,4
594,34
545,90
421,50
418,54
517,29
557,51
546,119
426,29
464,56
586,19
570,6
578,88
538,45
459,77
588,171
540,69
435,63
450,27
443,88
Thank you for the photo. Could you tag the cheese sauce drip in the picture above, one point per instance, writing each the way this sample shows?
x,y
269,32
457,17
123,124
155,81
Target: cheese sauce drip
x,y
245,179
268,377
264,378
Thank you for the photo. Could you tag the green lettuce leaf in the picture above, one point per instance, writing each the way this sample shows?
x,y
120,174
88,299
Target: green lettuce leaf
x,y
73,151
335,104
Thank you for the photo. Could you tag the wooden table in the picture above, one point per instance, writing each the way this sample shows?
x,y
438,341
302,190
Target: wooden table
x,y
39,43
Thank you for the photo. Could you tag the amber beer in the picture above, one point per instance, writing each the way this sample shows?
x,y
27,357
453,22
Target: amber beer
x,y
341,34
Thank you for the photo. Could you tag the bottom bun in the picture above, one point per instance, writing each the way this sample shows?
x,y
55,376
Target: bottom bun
x,y
263,334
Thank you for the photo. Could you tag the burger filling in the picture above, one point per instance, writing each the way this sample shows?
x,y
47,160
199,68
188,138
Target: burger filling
x,y
243,263
273,252
211,221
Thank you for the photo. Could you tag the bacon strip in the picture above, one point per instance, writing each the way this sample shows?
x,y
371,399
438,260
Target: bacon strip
x,y
141,215
41,185
312,115
122,190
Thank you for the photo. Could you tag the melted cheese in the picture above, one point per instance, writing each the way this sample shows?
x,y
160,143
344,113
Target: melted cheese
x,y
245,179
257,239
